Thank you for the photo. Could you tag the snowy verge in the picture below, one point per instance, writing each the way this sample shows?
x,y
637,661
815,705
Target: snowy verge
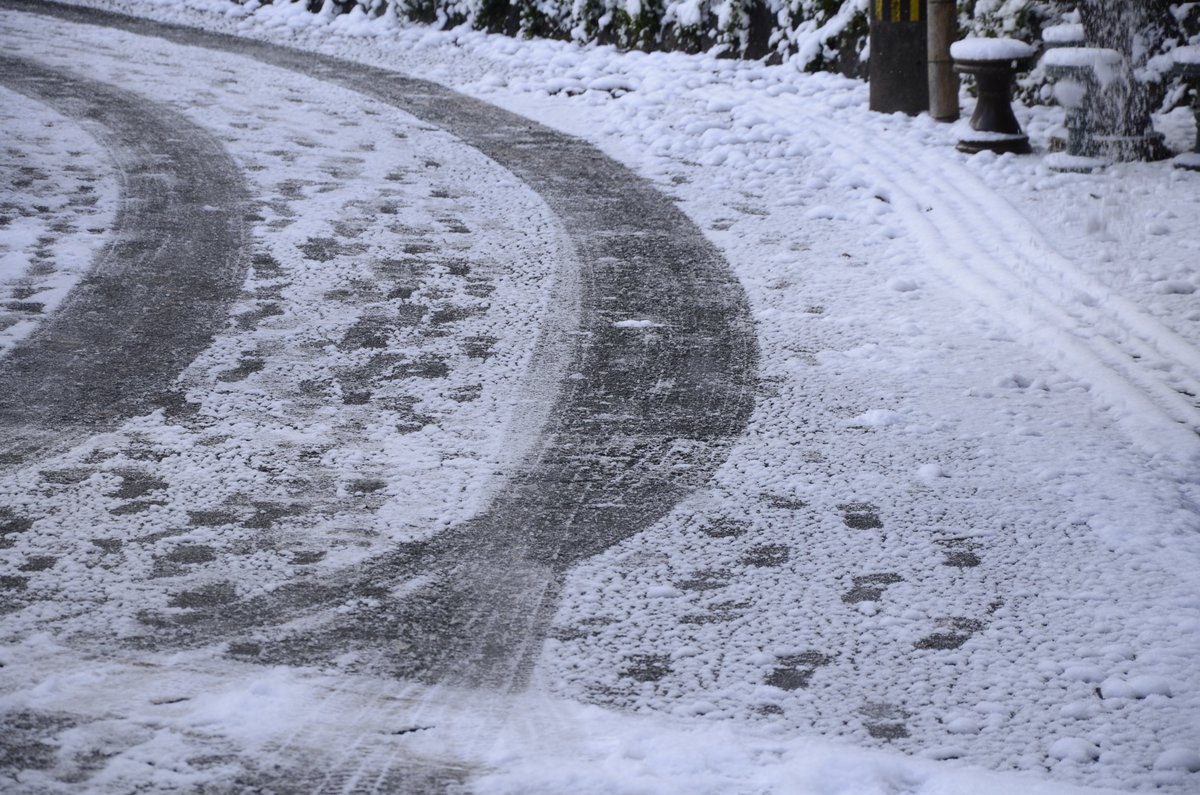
x,y
165,722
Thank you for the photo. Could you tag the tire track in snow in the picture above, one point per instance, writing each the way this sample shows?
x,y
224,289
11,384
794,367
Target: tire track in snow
x,y
648,413
1130,360
155,294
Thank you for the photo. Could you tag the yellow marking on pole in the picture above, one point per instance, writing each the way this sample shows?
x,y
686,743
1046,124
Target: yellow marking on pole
x,y
914,10
879,10
895,10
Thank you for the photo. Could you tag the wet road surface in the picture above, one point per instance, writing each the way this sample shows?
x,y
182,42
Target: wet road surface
x,y
640,426
156,293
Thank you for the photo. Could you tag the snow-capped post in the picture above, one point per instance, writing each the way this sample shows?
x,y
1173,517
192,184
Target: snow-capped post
x,y
1120,110
898,72
1068,34
943,83
1079,72
993,63
1187,66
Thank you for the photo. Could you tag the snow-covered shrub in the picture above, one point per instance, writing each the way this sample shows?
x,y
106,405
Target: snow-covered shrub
x,y
815,35
818,35
824,35
629,24
423,11
1014,19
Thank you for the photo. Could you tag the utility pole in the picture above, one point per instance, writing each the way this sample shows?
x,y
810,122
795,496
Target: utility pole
x,y
898,81
943,82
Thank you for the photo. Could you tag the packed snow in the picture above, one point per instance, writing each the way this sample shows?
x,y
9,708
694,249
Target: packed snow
x,y
955,551
990,50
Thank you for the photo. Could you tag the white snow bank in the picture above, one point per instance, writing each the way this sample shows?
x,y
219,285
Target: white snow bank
x,y
628,755
529,744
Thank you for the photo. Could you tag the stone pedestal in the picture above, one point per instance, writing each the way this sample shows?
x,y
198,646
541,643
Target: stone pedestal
x,y
994,63
1187,66
1078,72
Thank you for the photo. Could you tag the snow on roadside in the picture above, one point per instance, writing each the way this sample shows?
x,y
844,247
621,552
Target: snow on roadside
x,y
187,717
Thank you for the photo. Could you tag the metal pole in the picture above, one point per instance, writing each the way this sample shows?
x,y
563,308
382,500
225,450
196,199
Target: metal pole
x,y
943,83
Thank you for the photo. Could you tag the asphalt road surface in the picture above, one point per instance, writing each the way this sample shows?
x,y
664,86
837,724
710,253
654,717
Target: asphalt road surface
x,y
156,293
420,449
632,431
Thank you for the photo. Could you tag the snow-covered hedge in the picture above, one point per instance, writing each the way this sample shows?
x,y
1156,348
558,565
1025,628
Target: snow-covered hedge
x,y
817,35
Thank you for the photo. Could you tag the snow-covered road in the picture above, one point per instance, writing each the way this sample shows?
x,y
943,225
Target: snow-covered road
x,y
467,490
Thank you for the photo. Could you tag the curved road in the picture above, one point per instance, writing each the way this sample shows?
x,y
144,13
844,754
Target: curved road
x,y
331,562
645,424
176,263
